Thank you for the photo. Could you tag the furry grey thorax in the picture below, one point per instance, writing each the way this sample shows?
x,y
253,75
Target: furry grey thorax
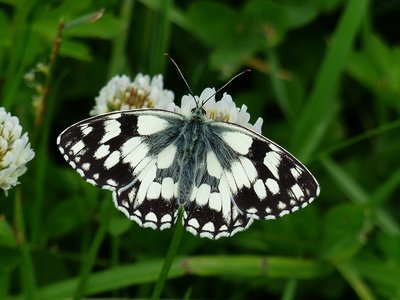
x,y
194,136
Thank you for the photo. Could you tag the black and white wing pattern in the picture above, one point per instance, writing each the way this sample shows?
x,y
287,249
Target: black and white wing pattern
x,y
223,175
266,181
115,151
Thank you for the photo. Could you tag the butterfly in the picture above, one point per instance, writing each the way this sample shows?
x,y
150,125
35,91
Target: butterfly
x,y
154,161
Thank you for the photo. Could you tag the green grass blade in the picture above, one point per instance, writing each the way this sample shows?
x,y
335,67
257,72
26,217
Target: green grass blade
x,y
386,189
91,256
290,290
175,16
173,248
361,137
118,55
4,283
22,26
358,195
278,86
347,184
350,273
228,266
310,126
160,38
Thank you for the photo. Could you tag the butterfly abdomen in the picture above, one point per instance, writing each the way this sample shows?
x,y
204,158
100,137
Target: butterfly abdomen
x,y
192,160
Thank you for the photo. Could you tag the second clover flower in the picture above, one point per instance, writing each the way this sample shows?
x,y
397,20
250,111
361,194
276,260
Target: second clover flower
x,y
121,93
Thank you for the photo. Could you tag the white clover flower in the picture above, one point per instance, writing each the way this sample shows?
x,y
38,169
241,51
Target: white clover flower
x,y
224,110
15,150
121,93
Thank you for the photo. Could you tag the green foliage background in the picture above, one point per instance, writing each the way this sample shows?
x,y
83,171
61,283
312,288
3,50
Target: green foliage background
x,y
326,80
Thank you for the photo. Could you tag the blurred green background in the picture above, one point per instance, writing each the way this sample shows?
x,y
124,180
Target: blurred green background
x,y
326,80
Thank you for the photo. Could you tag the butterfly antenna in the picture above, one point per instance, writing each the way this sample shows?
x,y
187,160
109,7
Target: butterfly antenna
x,y
183,77
224,86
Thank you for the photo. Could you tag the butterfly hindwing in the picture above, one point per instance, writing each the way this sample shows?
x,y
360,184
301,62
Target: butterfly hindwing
x,y
210,211
150,200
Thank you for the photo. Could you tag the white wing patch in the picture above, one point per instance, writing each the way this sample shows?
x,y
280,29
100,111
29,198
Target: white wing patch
x,y
148,124
272,160
260,189
75,149
136,156
237,141
166,157
167,188
203,194
112,129
102,151
154,191
249,168
272,185
214,167
112,160
240,176
130,145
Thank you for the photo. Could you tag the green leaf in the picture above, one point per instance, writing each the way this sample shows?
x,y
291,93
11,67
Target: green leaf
x,y
9,258
281,16
343,232
7,237
390,247
119,225
228,58
105,28
65,217
377,66
221,28
75,50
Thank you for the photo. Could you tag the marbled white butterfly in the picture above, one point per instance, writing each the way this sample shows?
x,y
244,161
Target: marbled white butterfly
x,y
154,161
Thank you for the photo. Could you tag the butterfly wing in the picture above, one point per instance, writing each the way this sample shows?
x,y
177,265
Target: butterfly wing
x,y
211,212
118,151
241,175
265,180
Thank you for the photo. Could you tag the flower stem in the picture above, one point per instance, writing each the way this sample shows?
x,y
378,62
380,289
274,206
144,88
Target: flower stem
x,y
173,247
27,272
90,258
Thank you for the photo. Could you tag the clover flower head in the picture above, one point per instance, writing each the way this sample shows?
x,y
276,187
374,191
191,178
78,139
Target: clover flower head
x,y
15,150
121,93
224,110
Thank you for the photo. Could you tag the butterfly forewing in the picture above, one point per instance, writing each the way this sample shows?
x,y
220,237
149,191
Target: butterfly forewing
x,y
107,149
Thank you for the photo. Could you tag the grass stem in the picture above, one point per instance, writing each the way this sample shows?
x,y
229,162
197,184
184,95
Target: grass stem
x,y
176,239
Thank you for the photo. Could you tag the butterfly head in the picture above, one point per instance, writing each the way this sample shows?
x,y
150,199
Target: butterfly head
x,y
198,111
